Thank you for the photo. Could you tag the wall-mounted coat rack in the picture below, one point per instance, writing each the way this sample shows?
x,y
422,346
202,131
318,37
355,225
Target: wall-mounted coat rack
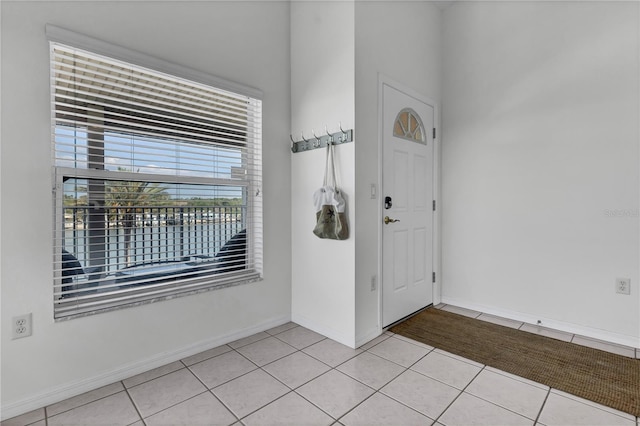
x,y
315,142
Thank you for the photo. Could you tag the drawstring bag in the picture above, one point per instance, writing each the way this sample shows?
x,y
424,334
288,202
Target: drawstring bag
x,y
330,205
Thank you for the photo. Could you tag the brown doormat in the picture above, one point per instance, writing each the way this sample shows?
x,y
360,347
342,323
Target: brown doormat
x,y
606,378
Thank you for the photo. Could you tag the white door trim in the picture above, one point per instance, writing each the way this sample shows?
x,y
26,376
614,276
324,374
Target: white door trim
x,y
437,243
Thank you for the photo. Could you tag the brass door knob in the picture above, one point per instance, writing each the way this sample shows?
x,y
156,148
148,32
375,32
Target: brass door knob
x,y
388,220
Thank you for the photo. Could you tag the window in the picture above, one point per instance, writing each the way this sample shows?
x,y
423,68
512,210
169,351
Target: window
x,y
157,184
408,125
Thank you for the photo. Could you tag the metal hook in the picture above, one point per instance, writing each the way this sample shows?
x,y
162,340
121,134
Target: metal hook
x,y
345,135
340,125
302,136
330,141
317,142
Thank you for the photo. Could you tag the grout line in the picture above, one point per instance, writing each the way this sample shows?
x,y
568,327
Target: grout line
x,y
379,391
223,404
461,392
356,406
133,403
542,406
257,409
211,392
311,402
86,403
592,404
154,378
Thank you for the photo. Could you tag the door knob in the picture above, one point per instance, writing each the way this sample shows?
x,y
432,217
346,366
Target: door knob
x,y
388,220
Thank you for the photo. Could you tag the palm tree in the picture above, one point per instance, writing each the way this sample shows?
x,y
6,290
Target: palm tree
x,y
129,198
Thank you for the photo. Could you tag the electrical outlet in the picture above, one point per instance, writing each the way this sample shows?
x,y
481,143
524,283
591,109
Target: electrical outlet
x,y
21,326
623,285
374,282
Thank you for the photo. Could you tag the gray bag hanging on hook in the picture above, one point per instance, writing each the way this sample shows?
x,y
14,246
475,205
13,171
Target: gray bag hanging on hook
x,y
331,218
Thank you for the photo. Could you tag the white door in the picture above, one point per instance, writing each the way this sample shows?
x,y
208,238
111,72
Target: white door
x,y
407,194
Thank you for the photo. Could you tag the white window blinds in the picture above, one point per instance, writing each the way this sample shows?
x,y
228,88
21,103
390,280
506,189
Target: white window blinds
x,y
158,184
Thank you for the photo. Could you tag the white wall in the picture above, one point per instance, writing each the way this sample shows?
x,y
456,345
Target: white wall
x,y
402,41
338,50
541,141
322,94
242,41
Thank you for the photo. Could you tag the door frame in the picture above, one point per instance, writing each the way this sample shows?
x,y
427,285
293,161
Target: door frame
x,y
437,243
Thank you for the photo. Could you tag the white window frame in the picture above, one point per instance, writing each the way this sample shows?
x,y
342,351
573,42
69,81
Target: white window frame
x,y
150,293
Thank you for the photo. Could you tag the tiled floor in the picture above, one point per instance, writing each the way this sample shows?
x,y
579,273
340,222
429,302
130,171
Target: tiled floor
x,y
290,375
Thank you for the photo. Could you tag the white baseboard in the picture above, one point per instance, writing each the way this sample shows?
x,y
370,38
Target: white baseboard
x,y
67,390
331,333
567,327
367,337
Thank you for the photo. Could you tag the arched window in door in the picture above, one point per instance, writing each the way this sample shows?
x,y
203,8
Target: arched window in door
x,y
408,125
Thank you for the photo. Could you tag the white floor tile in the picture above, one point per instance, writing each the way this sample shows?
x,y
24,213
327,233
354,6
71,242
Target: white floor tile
x,y
399,351
446,369
194,359
203,409
300,337
335,393
605,346
412,341
375,341
592,404
424,394
26,418
508,393
250,392
152,374
469,410
223,368
371,370
331,352
380,410
296,369
284,327
266,351
461,311
161,393
291,410
547,332
248,340
518,378
505,322
460,358
113,410
84,398
561,410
